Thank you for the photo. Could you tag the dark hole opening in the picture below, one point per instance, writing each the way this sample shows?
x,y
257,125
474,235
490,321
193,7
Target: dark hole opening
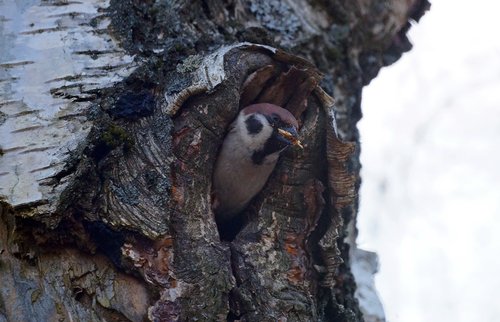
x,y
229,229
231,317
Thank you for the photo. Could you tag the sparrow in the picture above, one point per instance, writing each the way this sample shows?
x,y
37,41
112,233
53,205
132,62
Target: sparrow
x,y
249,154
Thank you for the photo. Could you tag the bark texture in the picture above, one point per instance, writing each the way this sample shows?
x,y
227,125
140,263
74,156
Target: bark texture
x,y
107,156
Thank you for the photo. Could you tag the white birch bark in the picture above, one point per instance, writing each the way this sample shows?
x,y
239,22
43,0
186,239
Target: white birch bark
x,y
52,56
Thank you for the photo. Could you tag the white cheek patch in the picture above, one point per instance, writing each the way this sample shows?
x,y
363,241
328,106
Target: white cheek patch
x,y
254,141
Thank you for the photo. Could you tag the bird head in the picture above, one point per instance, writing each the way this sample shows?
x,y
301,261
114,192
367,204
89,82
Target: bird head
x,y
267,130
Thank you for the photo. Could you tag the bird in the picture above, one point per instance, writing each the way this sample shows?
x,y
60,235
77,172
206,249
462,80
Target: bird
x,y
249,153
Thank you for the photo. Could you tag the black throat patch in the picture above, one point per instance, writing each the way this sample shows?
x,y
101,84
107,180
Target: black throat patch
x,y
258,157
272,145
254,126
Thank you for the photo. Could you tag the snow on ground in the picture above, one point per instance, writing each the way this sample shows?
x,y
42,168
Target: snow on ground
x,y
430,198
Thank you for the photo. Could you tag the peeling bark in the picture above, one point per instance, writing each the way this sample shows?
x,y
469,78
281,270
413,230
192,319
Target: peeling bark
x,y
112,114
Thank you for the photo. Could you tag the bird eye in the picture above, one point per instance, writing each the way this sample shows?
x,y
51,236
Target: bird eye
x,y
275,118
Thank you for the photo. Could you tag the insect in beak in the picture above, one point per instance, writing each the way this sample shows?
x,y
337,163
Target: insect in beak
x,y
289,136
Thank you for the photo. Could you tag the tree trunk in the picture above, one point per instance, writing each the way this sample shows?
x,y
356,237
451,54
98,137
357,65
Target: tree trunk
x,y
111,118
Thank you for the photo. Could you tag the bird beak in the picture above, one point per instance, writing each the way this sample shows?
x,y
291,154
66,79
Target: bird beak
x,y
290,135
